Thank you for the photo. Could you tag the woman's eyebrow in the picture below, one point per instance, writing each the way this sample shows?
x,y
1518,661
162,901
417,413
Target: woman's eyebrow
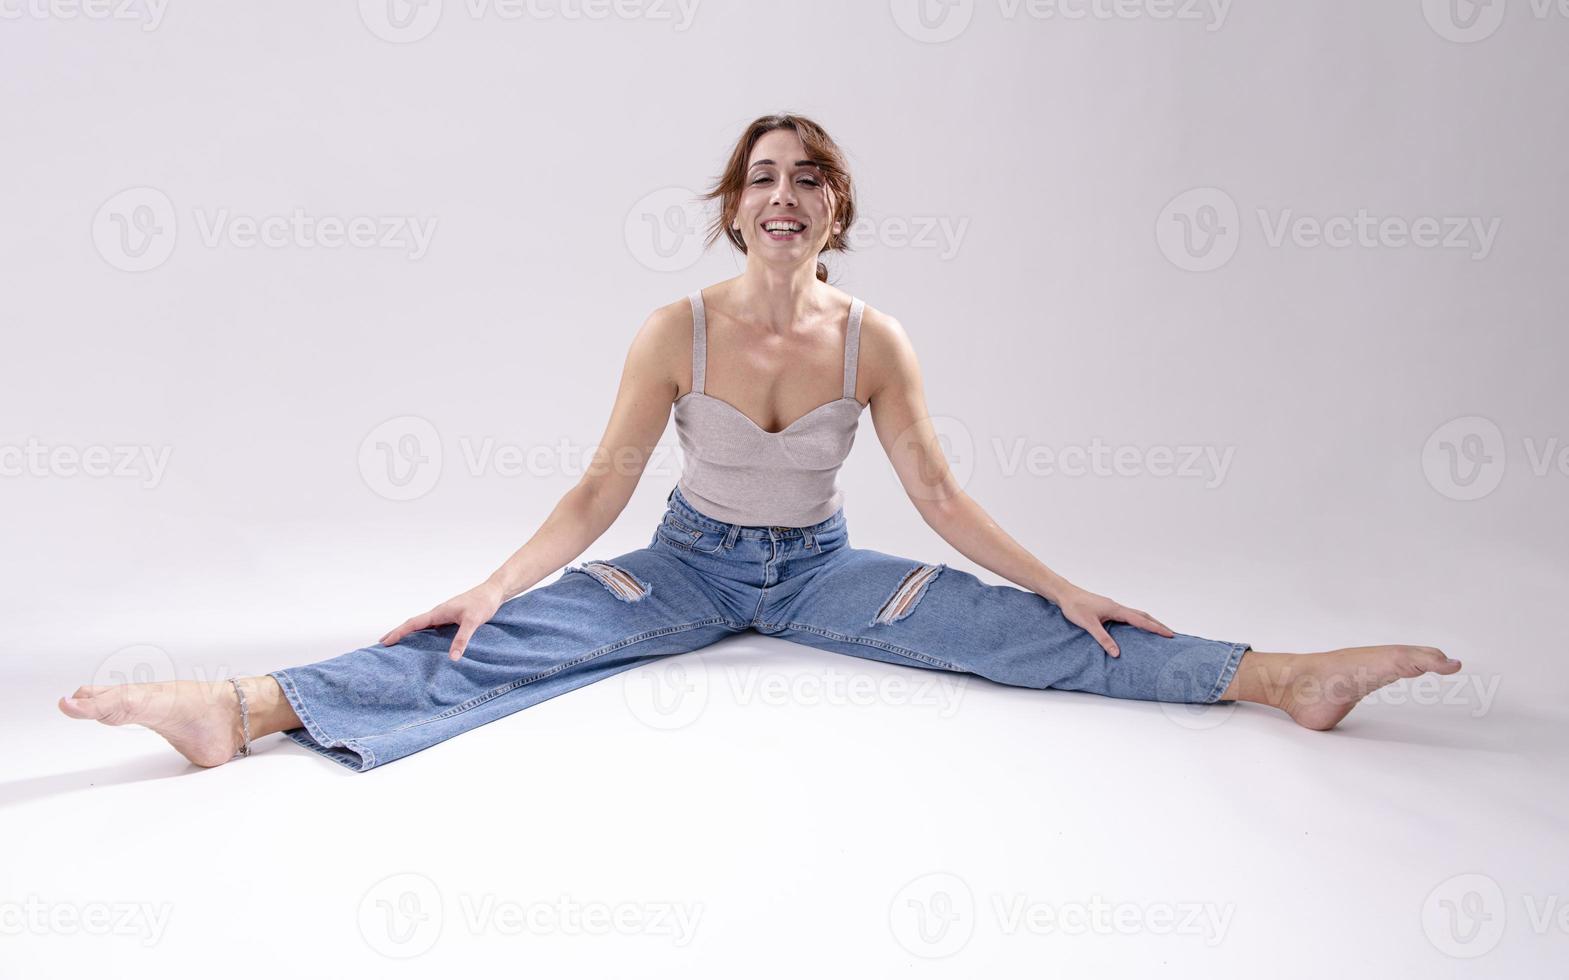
x,y
798,163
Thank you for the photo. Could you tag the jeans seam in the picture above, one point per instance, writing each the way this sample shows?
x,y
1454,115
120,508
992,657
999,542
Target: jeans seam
x,y
301,737
296,700
879,644
511,686
1227,671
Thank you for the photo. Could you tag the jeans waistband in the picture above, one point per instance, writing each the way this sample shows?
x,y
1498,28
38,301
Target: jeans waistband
x,y
678,502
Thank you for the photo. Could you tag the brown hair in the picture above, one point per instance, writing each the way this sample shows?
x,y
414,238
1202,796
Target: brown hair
x,y
820,149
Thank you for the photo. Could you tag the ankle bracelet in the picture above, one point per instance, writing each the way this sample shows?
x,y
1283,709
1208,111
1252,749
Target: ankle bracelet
x,y
245,719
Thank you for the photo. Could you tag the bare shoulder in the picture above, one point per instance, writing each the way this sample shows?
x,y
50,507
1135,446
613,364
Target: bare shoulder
x,y
662,349
887,358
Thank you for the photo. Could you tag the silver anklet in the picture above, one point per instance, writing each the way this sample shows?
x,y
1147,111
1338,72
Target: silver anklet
x,y
245,719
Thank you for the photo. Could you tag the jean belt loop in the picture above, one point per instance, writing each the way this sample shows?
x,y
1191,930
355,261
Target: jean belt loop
x,y
734,532
809,539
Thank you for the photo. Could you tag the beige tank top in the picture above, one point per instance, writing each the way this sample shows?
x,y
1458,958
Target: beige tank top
x,y
734,470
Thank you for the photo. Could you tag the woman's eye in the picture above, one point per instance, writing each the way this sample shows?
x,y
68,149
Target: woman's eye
x,y
810,182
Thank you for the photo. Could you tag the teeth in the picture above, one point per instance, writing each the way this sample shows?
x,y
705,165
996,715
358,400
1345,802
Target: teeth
x,y
783,226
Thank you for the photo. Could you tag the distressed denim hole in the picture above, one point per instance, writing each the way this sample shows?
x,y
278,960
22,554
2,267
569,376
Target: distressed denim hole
x,y
908,592
621,583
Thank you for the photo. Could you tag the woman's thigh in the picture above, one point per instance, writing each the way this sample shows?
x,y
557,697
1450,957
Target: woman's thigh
x,y
929,614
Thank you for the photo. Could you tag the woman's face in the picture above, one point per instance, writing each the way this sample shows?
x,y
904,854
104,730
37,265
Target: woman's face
x,y
781,185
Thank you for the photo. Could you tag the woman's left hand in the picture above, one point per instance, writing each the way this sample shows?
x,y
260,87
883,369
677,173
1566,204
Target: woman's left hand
x,y
1088,610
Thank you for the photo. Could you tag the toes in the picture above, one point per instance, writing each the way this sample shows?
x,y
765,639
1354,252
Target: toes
x,y
108,705
76,708
1434,659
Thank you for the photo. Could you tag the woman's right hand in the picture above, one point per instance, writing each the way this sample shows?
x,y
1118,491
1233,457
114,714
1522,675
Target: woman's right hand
x,y
470,611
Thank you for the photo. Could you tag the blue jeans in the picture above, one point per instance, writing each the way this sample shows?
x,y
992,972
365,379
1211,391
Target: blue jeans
x,y
700,580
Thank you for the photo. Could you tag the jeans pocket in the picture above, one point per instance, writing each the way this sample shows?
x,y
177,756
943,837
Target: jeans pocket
x,y
677,532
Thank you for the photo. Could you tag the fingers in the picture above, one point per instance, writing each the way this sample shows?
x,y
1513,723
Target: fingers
x,y
408,626
460,642
1099,632
1145,621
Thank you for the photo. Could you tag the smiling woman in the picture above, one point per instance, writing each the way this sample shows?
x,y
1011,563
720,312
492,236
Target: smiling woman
x,y
819,167
754,535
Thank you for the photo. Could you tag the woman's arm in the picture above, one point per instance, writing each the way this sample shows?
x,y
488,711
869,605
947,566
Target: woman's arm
x,y
637,420
899,413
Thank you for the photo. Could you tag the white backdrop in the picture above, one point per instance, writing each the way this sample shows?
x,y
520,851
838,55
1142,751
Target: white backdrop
x,y
1247,313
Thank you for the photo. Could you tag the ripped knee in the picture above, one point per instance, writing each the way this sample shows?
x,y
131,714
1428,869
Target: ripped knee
x,y
621,583
908,592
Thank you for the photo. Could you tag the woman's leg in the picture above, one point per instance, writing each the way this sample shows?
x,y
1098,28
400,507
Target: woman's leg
x,y
926,614
373,705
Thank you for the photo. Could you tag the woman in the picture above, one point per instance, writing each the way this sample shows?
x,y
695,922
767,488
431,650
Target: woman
x,y
767,374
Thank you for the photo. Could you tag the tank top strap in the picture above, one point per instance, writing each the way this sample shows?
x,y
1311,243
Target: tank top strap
x,y
852,346
699,340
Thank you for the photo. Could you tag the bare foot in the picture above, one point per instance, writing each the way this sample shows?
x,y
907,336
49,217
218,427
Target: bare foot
x,y
201,720
1319,689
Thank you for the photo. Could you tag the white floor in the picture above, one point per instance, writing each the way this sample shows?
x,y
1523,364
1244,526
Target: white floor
x,y
793,808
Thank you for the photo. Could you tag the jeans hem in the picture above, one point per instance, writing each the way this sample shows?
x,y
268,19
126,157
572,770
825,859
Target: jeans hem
x,y
1227,671
313,736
